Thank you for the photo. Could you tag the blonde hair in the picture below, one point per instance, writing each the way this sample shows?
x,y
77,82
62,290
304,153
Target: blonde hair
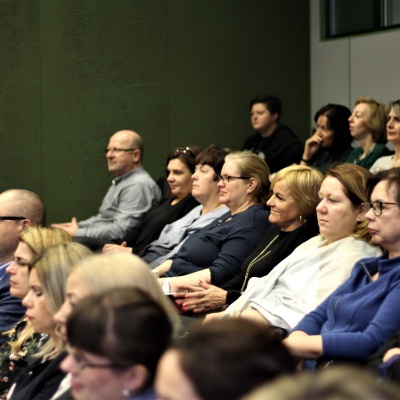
x,y
38,239
303,183
102,272
53,269
253,166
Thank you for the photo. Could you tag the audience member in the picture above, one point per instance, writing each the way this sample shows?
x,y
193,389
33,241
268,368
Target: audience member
x,y
304,279
41,377
19,208
293,221
22,340
115,341
356,319
180,167
206,191
132,193
331,142
218,250
273,142
367,126
393,136
225,360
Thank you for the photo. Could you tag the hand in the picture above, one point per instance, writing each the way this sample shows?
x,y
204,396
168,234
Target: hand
x,y
390,353
112,248
311,146
70,227
205,297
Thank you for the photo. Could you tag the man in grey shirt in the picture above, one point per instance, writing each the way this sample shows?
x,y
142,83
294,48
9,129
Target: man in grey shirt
x,y
132,193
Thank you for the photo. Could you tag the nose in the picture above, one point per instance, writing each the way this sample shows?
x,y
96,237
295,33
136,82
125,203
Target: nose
x,y
389,123
11,269
69,364
60,315
26,301
170,177
271,201
321,207
350,118
220,183
369,215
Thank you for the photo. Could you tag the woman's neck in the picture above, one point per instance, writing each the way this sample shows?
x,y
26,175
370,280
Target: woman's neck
x,y
243,207
210,205
367,144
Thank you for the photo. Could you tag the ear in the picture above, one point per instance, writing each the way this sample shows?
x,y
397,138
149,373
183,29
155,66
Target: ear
x,y
25,223
275,116
252,185
137,155
361,213
135,378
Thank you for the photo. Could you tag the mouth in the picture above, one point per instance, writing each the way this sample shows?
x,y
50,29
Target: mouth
x,y
28,317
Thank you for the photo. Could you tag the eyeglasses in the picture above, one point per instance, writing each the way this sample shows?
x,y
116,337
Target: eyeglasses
x,y
116,150
12,218
227,178
184,150
377,206
83,364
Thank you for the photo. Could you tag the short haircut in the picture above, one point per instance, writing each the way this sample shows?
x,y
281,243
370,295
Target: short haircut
x,y
338,120
376,120
354,179
391,176
214,157
303,183
124,325
272,103
29,205
230,357
252,166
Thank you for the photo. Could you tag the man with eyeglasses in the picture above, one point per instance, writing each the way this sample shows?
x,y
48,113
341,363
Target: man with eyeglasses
x,y
19,209
132,193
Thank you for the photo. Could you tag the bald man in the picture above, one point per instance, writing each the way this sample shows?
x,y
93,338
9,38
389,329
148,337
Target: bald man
x,y
132,193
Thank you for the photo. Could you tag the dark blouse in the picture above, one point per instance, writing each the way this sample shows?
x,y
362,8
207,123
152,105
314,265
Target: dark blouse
x,y
159,216
12,363
275,246
323,159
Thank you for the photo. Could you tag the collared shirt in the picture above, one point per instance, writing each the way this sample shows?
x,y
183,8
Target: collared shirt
x,y
129,197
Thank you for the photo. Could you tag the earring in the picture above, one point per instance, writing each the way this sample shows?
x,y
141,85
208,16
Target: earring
x,y
302,221
125,393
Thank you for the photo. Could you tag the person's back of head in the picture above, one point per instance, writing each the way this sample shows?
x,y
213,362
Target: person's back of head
x,y
228,358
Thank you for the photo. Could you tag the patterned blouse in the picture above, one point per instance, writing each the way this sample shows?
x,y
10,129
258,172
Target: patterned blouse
x,y
12,363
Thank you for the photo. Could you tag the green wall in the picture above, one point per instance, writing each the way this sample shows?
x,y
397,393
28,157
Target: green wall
x,y
176,71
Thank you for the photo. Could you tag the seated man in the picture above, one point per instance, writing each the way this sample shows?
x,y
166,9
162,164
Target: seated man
x,y
18,209
132,193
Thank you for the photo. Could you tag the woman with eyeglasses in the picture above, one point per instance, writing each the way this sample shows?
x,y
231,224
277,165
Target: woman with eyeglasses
x,y
217,251
115,341
356,319
393,136
47,278
22,340
178,202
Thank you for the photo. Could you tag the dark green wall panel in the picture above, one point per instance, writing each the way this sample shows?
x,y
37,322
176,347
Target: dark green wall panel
x,y
176,71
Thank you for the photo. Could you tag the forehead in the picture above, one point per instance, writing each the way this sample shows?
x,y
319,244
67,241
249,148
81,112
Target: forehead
x,y
281,186
119,139
33,277
322,120
331,185
259,107
176,163
363,108
23,250
382,191
7,202
76,285
230,168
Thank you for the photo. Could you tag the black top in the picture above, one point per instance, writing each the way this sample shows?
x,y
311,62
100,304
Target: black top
x,y
279,150
155,220
274,247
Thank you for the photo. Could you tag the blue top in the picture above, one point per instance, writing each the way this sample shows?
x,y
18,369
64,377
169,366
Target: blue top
x,y
222,246
357,318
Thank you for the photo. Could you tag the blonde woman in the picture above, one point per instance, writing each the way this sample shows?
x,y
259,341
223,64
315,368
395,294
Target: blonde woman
x,y
22,341
47,280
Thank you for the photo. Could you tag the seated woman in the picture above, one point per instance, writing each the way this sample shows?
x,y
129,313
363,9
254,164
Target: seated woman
x,y
180,167
206,191
218,250
104,272
304,279
22,340
115,341
47,278
367,126
361,314
293,221
331,142
225,360
393,136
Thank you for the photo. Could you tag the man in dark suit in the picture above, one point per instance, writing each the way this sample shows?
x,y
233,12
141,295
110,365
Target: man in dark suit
x,y
19,208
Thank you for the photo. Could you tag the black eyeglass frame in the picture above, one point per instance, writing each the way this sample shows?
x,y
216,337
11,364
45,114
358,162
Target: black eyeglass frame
x,y
117,149
12,218
377,206
228,178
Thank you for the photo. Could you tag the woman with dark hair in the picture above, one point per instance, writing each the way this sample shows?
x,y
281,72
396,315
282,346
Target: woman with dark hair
x,y
180,167
331,142
115,341
225,360
393,136
367,126
356,319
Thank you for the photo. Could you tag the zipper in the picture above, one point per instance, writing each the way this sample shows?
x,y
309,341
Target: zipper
x,y
258,258
367,272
